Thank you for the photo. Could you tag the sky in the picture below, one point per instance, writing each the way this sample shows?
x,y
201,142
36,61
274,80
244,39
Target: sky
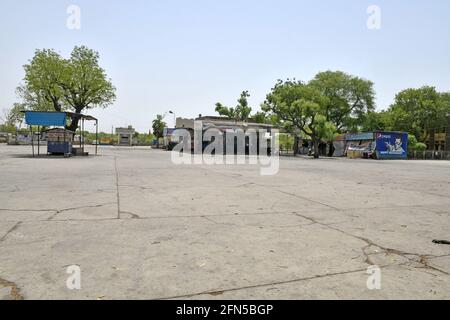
x,y
184,56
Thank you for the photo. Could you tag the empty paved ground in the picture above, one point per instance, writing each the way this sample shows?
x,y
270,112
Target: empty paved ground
x,y
141,227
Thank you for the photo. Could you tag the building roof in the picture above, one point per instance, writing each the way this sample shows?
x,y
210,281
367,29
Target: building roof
x,y
220,123
128,130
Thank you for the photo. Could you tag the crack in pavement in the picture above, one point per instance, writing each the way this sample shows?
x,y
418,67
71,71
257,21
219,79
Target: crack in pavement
x,y
219,292
164,217
422,259
15,290
209,218
28,210
77,208
10,230
307,199
345,209
133,215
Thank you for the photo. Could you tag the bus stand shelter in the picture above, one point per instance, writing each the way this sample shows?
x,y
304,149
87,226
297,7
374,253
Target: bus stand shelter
x,y
60,142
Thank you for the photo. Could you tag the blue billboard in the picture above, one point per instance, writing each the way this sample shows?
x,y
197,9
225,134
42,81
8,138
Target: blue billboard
x,y
391,145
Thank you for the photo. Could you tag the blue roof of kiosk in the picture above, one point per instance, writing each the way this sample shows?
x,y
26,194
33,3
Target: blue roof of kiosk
x,y
45,118
48,118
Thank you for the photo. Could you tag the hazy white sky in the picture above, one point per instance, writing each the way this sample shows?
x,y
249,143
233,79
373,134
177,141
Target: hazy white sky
x,y
187,55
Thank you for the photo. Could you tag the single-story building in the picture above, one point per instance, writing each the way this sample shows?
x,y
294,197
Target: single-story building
x,y
125,136
208,122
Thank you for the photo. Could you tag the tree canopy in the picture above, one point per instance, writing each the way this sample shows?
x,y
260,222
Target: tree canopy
x,y
350,98
76,84
241,112
158,126
300,107
419,111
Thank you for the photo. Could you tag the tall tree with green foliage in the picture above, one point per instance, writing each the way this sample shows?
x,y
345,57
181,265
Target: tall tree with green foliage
x,y
301,108
241,112
77,84
11,119
158,126
374,121
420,112
350,99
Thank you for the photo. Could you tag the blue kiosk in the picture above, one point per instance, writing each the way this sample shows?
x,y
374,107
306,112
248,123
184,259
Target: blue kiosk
x,y
60,140
378,144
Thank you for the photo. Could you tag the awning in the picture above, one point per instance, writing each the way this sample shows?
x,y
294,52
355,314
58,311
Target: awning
x,y
37,118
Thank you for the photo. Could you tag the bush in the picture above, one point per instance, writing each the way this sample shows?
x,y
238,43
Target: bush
x,y
419,146
415,145
412,140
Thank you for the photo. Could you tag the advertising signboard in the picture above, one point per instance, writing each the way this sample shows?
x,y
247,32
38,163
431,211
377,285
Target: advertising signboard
x,y
391,145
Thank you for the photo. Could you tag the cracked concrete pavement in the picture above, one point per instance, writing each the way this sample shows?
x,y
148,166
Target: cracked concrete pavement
x,y
141,227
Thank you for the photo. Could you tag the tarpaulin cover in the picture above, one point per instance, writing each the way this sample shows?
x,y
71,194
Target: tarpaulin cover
x,y
45,118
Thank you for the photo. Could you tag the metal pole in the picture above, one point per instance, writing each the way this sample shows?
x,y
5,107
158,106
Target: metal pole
x,y
96,136
82,132
32,140
79,132
64,142
39,139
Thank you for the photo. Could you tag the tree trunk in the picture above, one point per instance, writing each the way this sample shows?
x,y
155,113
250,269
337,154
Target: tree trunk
x,y
295,145
330,149
432,140
316,147
75,120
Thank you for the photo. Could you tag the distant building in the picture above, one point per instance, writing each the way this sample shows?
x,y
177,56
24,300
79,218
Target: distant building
x,y
441,139
125,136
221,123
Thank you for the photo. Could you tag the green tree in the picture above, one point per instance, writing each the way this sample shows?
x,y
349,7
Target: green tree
x,y
300,108
378,121
350,99
144,138
76,84
14,116
260,117
414,144
10,119
240,113
158,126
5,123
420,112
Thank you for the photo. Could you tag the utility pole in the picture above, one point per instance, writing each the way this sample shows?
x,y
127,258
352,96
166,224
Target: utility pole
x,y
174,118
